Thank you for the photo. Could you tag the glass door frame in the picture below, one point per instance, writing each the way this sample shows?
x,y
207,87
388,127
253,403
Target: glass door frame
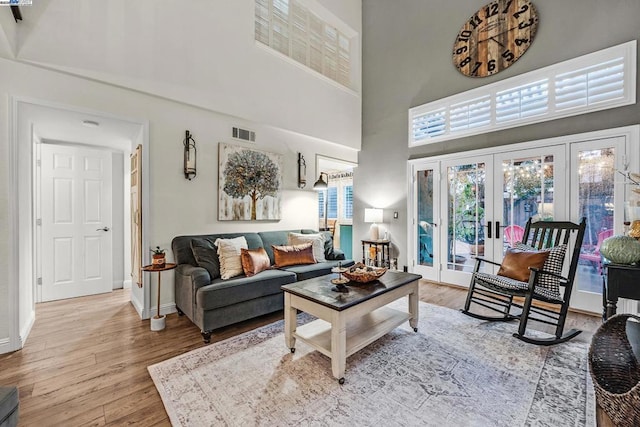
x,y
428,272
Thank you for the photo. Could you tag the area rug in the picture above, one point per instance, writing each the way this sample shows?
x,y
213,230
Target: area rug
x,y
455,371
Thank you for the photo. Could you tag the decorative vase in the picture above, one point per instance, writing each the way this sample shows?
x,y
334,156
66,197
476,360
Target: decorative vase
x,y
159,260
621,249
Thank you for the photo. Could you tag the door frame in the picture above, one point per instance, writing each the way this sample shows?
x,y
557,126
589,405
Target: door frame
x,y
21,191
630,133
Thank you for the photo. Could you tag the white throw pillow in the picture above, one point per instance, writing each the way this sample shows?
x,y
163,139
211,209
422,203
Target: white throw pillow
x,y
229,251
317,241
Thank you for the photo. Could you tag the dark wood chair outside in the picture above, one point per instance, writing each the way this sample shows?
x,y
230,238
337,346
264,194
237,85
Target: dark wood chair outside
x,y
496,293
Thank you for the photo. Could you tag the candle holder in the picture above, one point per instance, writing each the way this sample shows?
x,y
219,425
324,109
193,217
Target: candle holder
x,y
340,281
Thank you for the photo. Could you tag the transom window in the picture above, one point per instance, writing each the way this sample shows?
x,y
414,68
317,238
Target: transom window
x,y
598,81
292,29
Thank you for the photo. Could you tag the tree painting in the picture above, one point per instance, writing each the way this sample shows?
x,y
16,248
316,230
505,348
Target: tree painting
x,y
250,184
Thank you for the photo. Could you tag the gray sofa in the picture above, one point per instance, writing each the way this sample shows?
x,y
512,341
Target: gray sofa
x,y
211,302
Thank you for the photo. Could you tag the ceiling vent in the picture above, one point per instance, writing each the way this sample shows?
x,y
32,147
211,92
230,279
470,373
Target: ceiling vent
x,y
244,134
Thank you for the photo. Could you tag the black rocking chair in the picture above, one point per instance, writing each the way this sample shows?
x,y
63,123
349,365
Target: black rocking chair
x,y
497,292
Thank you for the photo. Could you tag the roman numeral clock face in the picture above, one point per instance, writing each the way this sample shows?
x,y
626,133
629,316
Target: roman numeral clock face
x,y
495,37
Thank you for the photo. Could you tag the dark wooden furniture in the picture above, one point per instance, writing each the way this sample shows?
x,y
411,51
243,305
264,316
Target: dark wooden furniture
x,y
496,293
381,248
619,281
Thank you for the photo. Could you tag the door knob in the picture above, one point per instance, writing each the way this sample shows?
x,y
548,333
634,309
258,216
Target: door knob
x,y
103,229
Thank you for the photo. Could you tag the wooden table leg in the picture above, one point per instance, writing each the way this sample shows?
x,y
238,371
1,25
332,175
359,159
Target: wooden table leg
x,y
338,345
290,323
413,306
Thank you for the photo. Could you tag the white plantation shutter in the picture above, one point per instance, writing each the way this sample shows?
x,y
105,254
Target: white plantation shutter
x,y
290,28
601,80
471,114
523,101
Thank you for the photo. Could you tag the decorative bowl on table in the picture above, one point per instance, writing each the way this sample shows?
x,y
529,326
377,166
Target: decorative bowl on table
x,y
363,274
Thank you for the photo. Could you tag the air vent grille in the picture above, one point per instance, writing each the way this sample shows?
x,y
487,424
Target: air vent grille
x,y
244,134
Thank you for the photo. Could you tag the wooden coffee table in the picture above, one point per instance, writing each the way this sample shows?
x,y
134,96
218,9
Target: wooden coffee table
x,y
347,322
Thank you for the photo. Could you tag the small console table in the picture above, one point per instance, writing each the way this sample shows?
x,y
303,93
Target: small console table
x,y
381,249
619,281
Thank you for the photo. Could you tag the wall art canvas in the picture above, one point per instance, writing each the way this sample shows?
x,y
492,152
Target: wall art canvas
x,y
249,184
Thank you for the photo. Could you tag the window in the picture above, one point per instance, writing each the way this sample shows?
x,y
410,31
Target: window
x,y
290,28
598,81
332,206
321,204
348,202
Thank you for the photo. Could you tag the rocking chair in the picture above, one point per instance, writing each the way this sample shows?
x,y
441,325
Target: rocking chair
x,y
496,292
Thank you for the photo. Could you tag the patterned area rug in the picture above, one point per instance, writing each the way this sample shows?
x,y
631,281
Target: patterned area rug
x,y
456,371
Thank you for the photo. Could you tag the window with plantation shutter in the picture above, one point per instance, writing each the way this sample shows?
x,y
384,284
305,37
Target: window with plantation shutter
x,y
332,205
597,81
348,202
292,29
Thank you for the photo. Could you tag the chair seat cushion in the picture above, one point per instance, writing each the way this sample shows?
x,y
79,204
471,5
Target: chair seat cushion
x,y
514,287
553,264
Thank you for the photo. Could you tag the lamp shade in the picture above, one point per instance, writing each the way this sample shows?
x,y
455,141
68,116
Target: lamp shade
x,y
320,183
372,215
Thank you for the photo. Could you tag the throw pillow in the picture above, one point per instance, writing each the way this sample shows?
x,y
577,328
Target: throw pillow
x,y
205,255
254,261
229,256
553,264
516,263
317,241
293,255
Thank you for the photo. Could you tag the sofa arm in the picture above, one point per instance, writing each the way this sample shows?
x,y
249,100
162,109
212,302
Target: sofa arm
x,y
188,279
337,254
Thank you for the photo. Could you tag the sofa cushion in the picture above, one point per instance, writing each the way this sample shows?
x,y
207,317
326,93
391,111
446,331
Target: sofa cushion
x,y
310,271
316,239
278,238
254,261
221,293
229,255
293,255
204,253
328,242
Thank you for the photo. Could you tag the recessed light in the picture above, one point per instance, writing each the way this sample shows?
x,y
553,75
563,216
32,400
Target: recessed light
x,y
90,123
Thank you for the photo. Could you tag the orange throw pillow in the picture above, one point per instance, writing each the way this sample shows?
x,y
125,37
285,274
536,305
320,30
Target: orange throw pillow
x,y
293,255
254,261
516,263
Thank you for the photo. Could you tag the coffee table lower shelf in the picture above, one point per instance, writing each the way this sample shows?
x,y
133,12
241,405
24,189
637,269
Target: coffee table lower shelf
x,y
360,331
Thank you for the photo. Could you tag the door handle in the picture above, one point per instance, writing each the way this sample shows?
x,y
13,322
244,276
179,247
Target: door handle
x,y
103,229
497,228
488,229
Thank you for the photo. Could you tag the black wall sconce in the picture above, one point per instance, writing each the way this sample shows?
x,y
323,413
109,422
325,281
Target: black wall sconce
x,y
302,171
189,156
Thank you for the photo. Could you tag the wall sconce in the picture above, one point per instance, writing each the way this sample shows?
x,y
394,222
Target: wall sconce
x,y
189,156
302,171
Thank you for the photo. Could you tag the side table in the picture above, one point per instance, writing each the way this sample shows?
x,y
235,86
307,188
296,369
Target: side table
x,y
618,281
158,321
381,249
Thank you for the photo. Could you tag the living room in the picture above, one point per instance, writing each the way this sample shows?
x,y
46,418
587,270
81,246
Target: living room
x,y
198,67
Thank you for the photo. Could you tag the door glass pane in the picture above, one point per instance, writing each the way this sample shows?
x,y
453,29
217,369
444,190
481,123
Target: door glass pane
x,y
425,217
527,193
465,234
596,174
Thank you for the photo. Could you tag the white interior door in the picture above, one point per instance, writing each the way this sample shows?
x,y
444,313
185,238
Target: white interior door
x,y
76,220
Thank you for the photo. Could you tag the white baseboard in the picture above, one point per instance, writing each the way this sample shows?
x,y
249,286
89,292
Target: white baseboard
x,y
137,305
126,284
5,346
26,329
164,309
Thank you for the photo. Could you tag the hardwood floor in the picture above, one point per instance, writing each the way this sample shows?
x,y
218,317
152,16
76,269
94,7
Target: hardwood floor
x,y
85,361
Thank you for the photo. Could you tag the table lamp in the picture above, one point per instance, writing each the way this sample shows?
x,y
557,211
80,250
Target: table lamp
x,y
373,216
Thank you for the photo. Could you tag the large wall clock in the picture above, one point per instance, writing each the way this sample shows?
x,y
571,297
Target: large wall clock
x,y
495,37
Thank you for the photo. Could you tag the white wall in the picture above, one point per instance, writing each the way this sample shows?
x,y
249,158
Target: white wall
x,y
201,52
117,215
